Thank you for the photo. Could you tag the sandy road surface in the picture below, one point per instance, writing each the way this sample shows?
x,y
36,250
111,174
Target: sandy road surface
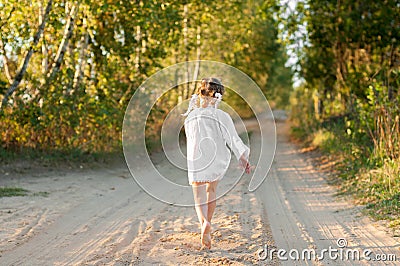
x,y
101,217
304,213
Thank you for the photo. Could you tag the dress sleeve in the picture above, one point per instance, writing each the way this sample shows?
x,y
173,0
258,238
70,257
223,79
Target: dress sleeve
x,y
232,138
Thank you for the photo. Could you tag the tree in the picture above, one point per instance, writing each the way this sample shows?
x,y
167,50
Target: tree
x,y
22,70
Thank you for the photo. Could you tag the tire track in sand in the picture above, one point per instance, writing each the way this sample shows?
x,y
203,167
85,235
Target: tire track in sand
x,y
305,213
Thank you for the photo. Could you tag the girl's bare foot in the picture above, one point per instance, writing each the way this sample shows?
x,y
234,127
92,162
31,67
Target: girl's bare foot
x,y
206,234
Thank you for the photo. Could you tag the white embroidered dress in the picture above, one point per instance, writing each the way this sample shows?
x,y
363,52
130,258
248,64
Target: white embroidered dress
x,y
209,132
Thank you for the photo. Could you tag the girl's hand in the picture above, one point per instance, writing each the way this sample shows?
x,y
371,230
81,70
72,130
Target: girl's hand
x,y
245,164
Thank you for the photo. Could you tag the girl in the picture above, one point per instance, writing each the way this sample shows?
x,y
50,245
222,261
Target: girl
x,y
209,131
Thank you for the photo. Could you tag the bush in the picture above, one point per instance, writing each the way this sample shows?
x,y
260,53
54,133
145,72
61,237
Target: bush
x,y
367,143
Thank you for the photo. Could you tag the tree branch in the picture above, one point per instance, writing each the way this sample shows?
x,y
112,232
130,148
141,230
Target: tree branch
x,y
5,62
2,46
45,60
81,62
69,27
9,16
21,72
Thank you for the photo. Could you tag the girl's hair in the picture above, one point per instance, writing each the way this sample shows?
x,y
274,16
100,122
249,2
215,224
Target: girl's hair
x,y
209,87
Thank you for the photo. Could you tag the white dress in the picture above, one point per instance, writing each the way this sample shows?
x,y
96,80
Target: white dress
x,y
209,132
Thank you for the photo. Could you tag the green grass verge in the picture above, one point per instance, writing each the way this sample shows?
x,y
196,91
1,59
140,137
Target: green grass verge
x,y
372,182
12,192
56,155
20,192
58,159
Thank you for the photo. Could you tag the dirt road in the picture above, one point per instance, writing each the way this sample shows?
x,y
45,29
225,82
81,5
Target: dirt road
x,y
102,217
304,213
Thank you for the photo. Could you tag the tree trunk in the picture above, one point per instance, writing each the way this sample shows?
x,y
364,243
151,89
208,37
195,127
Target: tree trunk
x,y
138,39
45,60
82,59
186,89
3,50
63,45
21,72
5,62
81,63
198,55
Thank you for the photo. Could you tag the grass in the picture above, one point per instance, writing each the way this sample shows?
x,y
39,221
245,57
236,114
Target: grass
x,y
372,181
20,192
57,159
12,192
56,155
379,190
41,194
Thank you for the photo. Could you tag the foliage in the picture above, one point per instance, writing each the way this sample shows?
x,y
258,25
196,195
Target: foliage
x,y
78,104
349,103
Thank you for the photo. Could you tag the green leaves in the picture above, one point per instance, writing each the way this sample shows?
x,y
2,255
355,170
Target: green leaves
x,y
113,47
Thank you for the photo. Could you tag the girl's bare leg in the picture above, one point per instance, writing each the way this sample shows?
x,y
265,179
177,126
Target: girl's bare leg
x,y
200,201
201,206
211,199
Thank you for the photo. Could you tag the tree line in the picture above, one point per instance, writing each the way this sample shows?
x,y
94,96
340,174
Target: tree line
x,y
69,68
349,101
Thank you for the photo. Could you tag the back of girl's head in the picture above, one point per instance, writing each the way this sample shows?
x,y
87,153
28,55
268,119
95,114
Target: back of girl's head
x,y
210,86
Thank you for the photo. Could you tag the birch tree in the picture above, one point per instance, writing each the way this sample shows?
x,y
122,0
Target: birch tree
x,y
68,30
20,74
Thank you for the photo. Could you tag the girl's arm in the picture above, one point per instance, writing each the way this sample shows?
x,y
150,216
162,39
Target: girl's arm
x,y
234,142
